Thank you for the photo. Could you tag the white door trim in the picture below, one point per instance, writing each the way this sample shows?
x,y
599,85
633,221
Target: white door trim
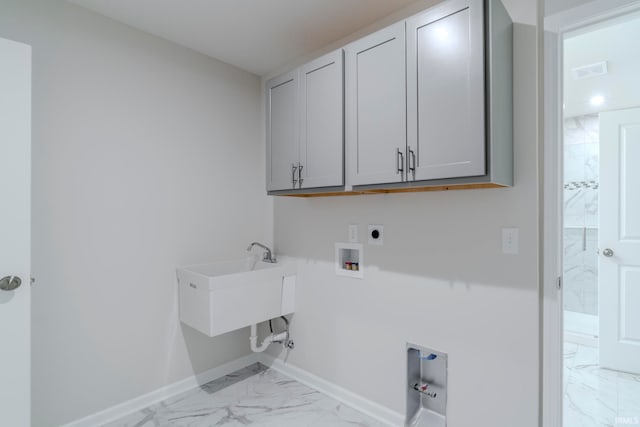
x,y
590,13
556,26
552,363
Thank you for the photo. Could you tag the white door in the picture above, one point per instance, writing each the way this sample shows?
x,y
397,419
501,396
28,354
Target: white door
x,y
375,97
322,105
282,132
15,196
445,87
619,261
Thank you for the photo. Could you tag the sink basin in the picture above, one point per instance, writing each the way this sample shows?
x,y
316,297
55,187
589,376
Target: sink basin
x,y
235,272
223,296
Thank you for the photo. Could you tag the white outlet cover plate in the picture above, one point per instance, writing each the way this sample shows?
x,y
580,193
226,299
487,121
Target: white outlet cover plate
x,y
510,241
353,233
380,240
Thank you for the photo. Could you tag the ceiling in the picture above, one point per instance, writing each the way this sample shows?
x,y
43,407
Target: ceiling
x,y
615,42
262,36
256,35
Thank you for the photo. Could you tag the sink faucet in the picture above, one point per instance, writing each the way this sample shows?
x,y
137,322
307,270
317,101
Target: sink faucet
x,y
267,255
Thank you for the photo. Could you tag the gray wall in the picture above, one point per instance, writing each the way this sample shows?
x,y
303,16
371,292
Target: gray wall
x,y
146,156
440,281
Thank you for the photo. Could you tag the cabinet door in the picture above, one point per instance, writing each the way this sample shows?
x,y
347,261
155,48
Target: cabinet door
x,y
322,105
376,107
282,132
445,87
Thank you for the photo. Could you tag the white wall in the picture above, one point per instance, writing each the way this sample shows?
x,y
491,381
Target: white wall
x,y
440,280
146,156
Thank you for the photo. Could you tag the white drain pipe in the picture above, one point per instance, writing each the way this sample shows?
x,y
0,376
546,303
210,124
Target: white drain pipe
x,y
281,337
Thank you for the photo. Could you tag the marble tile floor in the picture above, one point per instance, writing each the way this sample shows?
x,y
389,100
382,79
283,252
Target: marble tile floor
x,y
255,396
596,397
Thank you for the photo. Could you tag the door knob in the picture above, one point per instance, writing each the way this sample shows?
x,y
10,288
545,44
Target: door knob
x,y
10,283
607,252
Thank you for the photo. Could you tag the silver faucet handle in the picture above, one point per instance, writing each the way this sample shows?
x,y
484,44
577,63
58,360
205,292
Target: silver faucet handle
x,y
268,255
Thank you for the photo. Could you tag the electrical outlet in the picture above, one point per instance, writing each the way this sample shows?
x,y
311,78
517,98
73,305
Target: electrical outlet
x,y
510,241
353,233
376,235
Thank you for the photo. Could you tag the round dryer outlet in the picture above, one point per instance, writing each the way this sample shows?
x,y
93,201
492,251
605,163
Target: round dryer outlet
x,y
376,235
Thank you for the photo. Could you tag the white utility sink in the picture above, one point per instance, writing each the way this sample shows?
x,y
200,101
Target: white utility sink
x,y
227,295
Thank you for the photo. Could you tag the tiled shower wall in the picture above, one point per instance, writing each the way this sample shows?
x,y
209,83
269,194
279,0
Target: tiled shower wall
x,y
581,178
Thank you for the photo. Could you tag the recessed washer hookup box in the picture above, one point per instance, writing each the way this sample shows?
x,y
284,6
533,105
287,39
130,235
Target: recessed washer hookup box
x,y
426,387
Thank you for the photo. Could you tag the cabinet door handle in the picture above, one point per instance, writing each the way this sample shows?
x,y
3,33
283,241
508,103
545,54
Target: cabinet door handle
x,y
412,163
400,162
300,166
294,168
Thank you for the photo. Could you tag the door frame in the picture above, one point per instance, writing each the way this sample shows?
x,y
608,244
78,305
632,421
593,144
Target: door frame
x,y
555,28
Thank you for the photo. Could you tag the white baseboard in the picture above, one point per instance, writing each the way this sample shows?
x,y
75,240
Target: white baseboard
x,y
366,406
118,411
581,339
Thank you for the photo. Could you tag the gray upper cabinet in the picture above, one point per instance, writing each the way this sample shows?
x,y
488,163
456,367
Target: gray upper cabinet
x,y
282,131
428,104
322,130
305,126
445,92
376,107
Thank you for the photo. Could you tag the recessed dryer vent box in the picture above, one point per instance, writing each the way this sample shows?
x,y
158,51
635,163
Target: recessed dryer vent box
x,y
350,260
426,387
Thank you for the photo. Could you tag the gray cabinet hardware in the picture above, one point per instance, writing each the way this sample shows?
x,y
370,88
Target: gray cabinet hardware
x,y
294,169
411,160
399,162
300,180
